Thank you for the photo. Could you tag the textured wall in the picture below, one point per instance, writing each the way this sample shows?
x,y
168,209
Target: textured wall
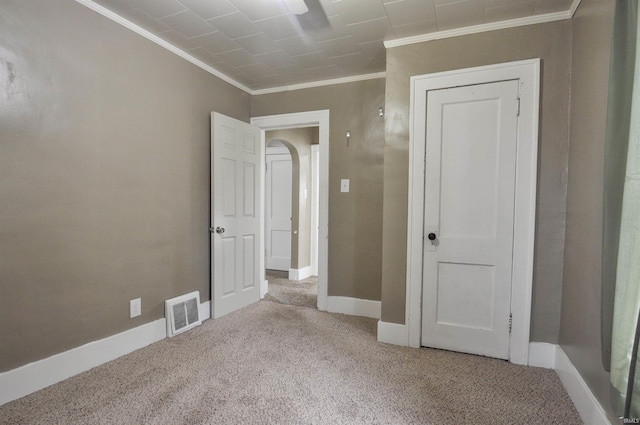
x,y
551,43
104,177
355,218
580,322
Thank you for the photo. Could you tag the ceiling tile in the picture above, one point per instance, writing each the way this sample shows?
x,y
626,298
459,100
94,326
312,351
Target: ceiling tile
x,y
312,60
216,42
378,29
277,59
504,13
331,71
147,22
336,29
256,10
225,67
339,46
208,9
238,58
360,11
551,6
298,45
460,14
257,70
353,61
418,28
328,8
490,4
280,27
446,2
205,56
235,25
373,49
158,8
178,40
256,44
188,24
410,12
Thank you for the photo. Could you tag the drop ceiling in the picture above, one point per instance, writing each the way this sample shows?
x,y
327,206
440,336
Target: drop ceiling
x,y
260,46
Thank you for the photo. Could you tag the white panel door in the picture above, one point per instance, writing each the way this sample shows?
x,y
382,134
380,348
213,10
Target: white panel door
x,y
235,209
278,210
471,144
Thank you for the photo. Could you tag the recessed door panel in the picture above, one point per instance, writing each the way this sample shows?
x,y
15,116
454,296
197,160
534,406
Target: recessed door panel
x,y
465,295
249,250
250,190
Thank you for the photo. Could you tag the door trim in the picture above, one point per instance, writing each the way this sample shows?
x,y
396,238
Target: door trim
x,y
528,74
296,120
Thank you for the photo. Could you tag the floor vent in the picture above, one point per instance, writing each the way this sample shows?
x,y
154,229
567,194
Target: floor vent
x,y
182,313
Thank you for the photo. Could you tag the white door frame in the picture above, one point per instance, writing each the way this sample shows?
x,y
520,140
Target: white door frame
x,y
297,120
528,74
315,176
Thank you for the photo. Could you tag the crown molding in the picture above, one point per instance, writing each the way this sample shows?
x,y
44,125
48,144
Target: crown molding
x,y
493,26
352,79
574,7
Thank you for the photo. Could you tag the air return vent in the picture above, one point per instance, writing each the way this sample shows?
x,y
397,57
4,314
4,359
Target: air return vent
x,y
182,313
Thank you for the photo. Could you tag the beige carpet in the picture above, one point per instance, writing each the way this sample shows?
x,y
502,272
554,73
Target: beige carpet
x,y
271,363
303,293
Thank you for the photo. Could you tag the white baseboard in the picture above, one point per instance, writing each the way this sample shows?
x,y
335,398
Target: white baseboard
x,y
40,374
264,288
590,409
393,333
552,356
35,376
205,311
542,354
354,306
299,274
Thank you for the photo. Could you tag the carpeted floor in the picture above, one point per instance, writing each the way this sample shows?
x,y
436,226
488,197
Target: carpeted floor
x,y
303,293
271,363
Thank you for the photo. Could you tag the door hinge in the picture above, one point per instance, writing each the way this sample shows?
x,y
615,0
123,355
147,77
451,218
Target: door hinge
x,y
518,107
510,322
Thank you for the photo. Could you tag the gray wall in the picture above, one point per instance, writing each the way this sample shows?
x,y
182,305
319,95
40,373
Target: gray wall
x,y
104,177
581,295
355,218
299,141
551,43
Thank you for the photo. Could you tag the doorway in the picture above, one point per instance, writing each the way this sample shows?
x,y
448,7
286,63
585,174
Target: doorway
x,y
424,226
318,119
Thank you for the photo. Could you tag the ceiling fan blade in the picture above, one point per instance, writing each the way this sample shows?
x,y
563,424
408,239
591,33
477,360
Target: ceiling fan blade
x,y
315,19
297,7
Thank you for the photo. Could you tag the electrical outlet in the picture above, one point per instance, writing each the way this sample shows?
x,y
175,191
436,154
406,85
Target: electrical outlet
x,y
135,308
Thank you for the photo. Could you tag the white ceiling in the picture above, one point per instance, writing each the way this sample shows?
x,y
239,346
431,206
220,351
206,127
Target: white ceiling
x,y
260,45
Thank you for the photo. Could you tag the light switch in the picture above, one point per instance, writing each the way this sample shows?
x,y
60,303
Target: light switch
x,y
344,185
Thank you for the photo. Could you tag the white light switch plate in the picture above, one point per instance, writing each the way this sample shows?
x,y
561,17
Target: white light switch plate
x,y
344,185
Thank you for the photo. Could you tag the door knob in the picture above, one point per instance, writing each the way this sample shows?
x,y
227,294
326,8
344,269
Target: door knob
x,y
431,236
219,230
